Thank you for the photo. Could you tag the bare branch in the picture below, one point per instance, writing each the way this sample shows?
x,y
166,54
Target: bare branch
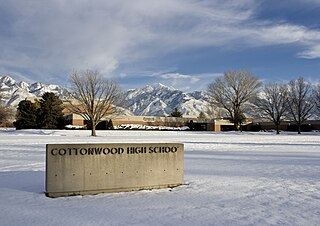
x,y
233,93
301,101
94,97
274,103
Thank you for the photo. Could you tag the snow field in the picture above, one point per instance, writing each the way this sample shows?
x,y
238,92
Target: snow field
x,y
231,179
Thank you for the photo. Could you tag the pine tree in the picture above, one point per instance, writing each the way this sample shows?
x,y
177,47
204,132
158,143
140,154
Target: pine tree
x,y
26,117
201,115
176,113
50,112
110,124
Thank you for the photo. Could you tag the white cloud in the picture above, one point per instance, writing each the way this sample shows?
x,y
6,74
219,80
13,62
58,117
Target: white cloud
x,y
56,36
188,82
312,53
298,34
175,76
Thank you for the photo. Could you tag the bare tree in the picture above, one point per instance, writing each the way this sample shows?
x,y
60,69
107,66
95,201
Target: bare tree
x,y
317,97
6,115
274,105
234,92
301,101
95,97
6,112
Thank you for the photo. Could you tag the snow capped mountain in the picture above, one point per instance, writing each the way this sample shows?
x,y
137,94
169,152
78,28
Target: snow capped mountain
x,y
162,100
7,81
156,100
12,92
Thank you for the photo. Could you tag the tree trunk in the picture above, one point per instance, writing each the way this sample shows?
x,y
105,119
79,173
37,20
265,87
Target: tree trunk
x,y
236,126
277,128
93,131
299,129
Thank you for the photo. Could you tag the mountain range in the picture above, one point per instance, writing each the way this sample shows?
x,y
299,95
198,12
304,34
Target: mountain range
x,y
161,100
12,92
155,100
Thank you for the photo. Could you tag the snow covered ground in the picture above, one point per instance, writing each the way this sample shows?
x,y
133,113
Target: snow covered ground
x,y
231,179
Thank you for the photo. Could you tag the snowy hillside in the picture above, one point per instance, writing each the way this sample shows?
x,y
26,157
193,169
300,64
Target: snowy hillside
x,y
13,92
162,100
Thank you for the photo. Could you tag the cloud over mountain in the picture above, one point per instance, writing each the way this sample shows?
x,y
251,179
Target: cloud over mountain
x,y
51,38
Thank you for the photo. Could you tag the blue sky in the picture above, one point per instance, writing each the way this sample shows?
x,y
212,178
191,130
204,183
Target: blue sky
x,y
182,43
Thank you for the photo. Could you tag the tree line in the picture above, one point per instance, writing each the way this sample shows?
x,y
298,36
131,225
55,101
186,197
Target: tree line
x,y
240,93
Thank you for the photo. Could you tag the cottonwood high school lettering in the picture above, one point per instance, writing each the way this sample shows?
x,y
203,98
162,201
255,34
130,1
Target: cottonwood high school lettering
x,y
92,168
112,151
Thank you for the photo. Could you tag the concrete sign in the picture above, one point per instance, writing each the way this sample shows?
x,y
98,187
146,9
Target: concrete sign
x,y
79,169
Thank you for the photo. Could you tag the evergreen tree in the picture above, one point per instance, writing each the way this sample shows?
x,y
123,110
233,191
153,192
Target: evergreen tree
x,y
110,124
26,117
176,113
50,112
201,115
